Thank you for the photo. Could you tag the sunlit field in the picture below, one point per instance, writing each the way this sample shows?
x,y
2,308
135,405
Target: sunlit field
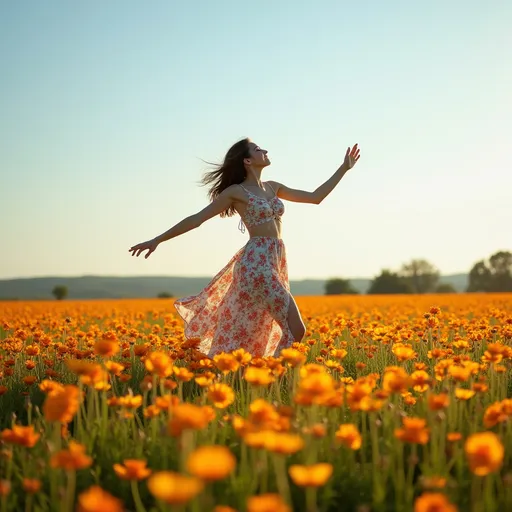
x,y
397,403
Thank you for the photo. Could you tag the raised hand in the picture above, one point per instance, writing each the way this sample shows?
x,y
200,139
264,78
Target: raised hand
x,y
351,157
150,246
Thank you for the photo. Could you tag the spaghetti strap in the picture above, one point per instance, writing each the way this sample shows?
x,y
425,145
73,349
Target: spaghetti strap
x,y
271,187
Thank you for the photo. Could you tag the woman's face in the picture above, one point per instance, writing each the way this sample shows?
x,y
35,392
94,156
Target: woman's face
x,y
258,157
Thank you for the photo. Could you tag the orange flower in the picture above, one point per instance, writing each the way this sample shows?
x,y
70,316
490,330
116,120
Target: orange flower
x,y
5,487
210,463
31,485
106,348
267,503
61,404
158,363
46,386
314,475
189,416
22,436
414,431
395,380
453,437
283,443
258,376
433,482
420,381
484,452
226,362
182,374
292,356
403,352
494,414
349,435
173,488
221,395
437,402
433,502
29,380
71,459
95,499
132,469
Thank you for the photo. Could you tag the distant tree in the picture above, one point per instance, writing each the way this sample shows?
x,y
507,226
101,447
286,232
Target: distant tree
x,y
338,286
445,288
494,276
389,282
421,275
60,292
165,295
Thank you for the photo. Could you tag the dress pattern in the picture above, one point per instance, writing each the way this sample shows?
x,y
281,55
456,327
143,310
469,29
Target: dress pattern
x,y
246,304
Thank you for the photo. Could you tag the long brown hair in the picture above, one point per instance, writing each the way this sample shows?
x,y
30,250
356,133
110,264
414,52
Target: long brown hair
x,y
231,172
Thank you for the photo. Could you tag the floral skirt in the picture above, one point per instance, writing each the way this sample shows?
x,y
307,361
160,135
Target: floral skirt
x,y
245,305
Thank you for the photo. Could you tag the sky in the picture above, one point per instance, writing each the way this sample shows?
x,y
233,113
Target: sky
x,y
109,109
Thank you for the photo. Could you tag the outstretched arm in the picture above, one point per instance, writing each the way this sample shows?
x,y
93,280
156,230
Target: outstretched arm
x,y
221,203
316,197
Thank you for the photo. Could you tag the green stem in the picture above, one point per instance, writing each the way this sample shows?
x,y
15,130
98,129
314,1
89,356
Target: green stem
x,y
70,492
139,507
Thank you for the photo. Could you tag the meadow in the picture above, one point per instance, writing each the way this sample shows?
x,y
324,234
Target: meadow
x,y
395,403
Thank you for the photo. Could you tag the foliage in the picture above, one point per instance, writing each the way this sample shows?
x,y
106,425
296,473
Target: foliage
x,y
421,275
445,288
389,282
60,292
165,295
492,276
338,286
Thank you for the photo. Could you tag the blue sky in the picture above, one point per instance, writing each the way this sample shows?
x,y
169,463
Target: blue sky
x,y
107,109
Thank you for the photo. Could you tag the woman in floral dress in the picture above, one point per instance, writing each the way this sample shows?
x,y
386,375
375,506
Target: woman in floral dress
x,y
248,303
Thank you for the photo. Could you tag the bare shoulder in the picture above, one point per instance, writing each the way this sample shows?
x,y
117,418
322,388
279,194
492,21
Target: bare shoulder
x,y
275,185
234,192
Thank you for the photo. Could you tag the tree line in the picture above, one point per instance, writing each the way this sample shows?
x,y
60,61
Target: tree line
x,y
420,276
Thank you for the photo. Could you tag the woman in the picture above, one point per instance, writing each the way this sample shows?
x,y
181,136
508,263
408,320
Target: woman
x,y
248,303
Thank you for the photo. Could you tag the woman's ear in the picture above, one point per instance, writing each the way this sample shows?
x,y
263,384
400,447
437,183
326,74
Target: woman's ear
x,y
247,161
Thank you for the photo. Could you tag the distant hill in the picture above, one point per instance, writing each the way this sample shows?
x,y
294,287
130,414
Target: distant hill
x,y
102,287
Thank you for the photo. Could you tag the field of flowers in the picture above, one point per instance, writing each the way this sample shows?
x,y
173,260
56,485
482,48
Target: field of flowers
x,y
390,404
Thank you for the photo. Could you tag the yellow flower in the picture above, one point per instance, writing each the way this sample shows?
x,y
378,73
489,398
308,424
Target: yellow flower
x,y
173,488
314,475
210,463
464,394
95,499
349,435
132,469
420,381
221,395
484,452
